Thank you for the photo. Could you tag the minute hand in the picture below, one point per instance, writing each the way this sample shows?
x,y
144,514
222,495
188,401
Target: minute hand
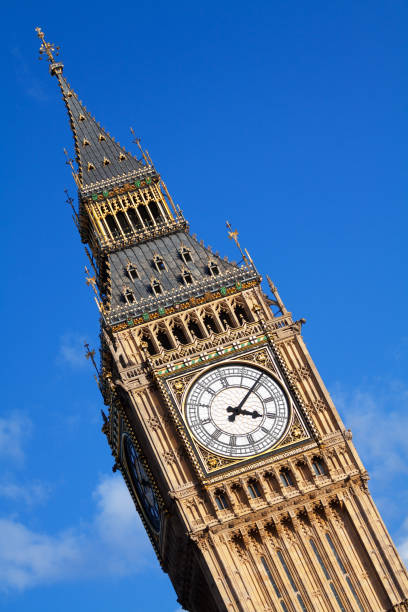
x,y
238,408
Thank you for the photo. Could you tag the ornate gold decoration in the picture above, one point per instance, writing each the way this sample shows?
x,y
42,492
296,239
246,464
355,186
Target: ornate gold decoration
x,y
214,462
47,48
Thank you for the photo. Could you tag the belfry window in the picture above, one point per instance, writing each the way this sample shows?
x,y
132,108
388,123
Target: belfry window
x,y
144,213
164,340
132,272
286,477
241,313
185,254
159,263
148,343
134,219
213,268
226,318
253,489
187,277
221,500
179,334
318,466
195,329
155,212
123,222
210,323
129,296
156,286
112,225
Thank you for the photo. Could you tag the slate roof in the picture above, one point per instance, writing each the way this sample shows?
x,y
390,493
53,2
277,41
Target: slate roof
x,y
174,289
93,145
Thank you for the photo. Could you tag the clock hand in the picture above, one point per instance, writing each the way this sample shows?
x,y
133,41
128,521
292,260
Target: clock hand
x,y
238,409
242,402
254,413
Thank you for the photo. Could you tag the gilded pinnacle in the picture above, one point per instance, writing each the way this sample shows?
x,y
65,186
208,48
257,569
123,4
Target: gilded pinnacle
x,y
47,48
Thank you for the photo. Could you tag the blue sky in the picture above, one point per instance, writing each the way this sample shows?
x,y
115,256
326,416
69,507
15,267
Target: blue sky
x,y
288,119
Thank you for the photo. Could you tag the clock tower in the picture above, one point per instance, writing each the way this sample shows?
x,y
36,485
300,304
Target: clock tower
x,y
246,480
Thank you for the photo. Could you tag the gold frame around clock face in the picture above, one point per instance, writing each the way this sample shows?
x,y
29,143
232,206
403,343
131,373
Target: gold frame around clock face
x,y
237,410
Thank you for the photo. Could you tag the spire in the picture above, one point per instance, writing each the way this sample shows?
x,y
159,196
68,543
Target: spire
x,y
101,160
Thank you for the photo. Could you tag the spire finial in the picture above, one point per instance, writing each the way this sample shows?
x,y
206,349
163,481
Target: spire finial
x,y
233,235
48,49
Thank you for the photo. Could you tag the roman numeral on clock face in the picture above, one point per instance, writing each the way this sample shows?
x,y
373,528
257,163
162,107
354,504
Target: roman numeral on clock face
x,y
216,434
233,440
224,382
205,421
250,439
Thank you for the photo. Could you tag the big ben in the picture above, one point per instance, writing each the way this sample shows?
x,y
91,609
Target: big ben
x,y
246,480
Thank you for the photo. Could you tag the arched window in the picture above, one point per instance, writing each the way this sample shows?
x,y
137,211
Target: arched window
x,y
195,329
241,313
318,466
155,212
286,477
253,489
221,500
134,219
156,287
210,323
132,272
111,223
187,277
144,213
123,222
164,340
213,268
159,263
146,339
179,334
226,318
185,254
129,296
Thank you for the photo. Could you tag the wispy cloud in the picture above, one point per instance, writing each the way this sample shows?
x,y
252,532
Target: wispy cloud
x,y
71,351
377,414
378,417
30,493
112,543
15,428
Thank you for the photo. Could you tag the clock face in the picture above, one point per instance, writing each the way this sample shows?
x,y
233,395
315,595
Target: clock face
x,y
142,484
236,410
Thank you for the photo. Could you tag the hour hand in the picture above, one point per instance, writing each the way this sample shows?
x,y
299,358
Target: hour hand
x,y
253,413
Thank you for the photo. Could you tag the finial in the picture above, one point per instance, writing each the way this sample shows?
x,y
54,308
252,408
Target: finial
x,y
48,49
90,354
137,142
233,235
91,280
277,301
70,163
70,201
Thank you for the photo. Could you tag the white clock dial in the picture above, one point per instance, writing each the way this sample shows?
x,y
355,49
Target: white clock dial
x,y
236,410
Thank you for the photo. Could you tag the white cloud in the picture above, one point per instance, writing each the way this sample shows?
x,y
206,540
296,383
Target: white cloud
x,y
71,351
378,418
112,543
14,430
30,493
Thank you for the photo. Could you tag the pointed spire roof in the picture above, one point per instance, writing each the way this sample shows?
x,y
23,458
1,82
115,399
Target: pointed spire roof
x,y
99,157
